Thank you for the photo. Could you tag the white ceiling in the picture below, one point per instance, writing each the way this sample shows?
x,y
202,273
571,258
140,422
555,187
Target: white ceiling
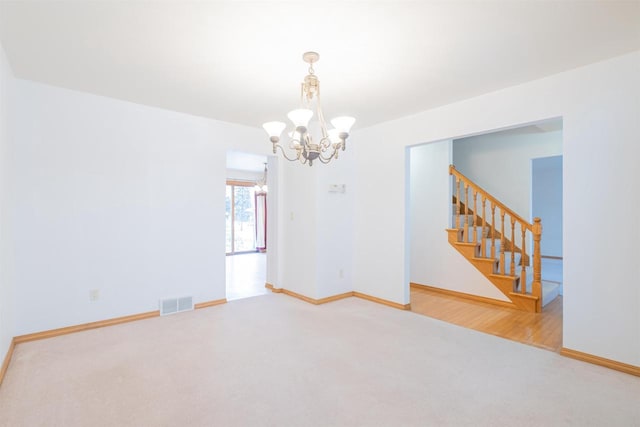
x,y
240,61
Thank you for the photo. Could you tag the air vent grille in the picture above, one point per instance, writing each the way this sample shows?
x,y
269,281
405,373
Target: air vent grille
x,y
175,305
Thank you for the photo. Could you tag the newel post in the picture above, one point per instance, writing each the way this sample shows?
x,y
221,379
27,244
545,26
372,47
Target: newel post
x,y
537,262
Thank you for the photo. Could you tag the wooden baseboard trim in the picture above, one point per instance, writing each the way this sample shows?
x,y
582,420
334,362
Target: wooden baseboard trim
x,y
596,360
463,295
290,293
84,327
210,303
273,288
337,297
299,296
313,300
7,359
382,301
306,298
102,323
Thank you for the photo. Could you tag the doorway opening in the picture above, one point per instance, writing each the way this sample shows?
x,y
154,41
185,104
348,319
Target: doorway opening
x,y
246,225
445,285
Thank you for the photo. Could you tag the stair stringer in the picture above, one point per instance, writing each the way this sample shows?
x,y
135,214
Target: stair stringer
x,y
487,266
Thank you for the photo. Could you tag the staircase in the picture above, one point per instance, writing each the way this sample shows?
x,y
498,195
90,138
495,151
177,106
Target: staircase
x,y
495,239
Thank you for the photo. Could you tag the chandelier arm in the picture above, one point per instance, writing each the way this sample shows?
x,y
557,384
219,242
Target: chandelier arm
x,y
292,144
284,153
326,160
325,143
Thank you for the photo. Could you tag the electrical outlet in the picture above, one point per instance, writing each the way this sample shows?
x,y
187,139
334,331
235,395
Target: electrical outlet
x,y
337,188
94,294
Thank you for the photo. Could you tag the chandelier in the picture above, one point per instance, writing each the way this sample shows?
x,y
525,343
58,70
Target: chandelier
x,y
302,144
261,184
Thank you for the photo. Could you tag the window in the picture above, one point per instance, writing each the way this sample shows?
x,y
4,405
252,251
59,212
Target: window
x,y
240,217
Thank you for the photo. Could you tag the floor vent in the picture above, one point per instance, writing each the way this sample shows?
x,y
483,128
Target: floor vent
x,y
175,305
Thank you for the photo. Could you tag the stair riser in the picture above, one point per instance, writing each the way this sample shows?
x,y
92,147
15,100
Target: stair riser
x,y
485,266
526,302
508,285
469,251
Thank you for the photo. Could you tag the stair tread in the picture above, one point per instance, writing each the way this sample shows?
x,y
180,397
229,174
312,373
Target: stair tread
x,y
504,276
467,243
484,259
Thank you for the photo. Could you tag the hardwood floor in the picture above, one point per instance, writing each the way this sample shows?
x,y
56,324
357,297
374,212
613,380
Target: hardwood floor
x,y
538,329
246,275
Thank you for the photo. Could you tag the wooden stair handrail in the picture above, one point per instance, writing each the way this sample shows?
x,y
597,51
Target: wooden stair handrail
x,y
483,192
535,230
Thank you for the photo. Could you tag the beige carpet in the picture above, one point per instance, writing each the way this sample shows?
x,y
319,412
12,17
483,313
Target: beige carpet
x,y
276,361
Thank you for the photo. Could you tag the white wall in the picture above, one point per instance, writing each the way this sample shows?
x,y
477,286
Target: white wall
x,y
599,105
298,219
501,163
546,202
275,234
7,302
335,225
118,197
434,261
315,242
380,257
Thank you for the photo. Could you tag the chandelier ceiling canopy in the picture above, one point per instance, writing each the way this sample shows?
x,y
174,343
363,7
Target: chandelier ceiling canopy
x,y
303,146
